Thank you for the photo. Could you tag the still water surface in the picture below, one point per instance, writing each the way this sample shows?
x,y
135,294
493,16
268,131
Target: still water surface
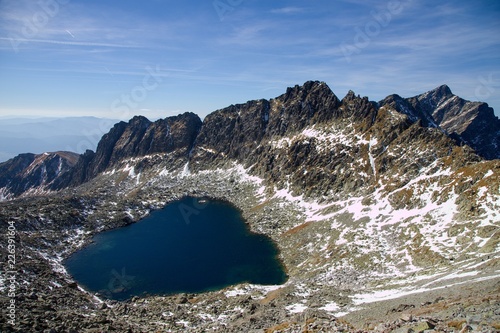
x,y
189,246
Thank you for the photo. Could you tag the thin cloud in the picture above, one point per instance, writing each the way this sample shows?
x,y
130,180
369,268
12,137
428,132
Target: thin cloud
x,y
260,46
63,42
251,34
287,10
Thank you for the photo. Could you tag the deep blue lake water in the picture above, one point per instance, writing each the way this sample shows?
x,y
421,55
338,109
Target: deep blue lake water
x,y
189,246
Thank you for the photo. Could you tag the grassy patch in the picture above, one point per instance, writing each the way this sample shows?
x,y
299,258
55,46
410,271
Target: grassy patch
x,y
296,229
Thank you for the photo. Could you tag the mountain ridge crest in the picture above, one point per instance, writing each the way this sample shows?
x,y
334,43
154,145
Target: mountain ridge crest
x,y
240,131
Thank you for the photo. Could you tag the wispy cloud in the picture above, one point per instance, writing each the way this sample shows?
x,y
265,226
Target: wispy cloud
x,y
249,34
65,42
69,33
287,10
259,47
74,24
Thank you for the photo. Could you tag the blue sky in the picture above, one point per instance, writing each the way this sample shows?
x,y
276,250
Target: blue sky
x,y
159,58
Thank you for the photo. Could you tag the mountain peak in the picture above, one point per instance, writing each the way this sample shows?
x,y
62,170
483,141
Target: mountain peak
x,y
307,88
139,121
351,95
442,90
237,131
472,123
311,85
435,97
38,172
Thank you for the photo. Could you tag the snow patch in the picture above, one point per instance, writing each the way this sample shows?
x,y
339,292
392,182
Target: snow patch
x,y
330,307
296,308
311,209
488,174
373,141
130,169
383,295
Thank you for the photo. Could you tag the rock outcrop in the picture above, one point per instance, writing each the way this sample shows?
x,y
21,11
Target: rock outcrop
x,y
138,138
470,123
34,173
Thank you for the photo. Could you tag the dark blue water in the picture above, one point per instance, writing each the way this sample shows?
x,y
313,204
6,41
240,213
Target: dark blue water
x,y
190,246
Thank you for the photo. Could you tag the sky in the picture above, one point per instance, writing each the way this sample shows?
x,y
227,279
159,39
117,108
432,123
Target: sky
x,y
159,58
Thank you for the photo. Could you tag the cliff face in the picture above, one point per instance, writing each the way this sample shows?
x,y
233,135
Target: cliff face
x,y
236,131
307,139
311,142
139,137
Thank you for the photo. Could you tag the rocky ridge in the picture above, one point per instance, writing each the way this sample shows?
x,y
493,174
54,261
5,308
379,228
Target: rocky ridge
x,y
243,132
34,174
459,118
371,208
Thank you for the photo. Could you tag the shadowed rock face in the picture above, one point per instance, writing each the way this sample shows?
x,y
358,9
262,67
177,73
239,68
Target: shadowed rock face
x,y
237,131
260,134
139,137
34,172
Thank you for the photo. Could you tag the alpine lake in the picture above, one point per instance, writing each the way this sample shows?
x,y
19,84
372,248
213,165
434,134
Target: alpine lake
x,y
192,245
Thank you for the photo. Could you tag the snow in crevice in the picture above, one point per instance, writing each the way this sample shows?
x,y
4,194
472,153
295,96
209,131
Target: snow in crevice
x,y
130,169
185,170
488,174
5,194
324,138
373,141
59,166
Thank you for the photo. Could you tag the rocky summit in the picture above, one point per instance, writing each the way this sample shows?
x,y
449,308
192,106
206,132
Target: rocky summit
x,y
386,215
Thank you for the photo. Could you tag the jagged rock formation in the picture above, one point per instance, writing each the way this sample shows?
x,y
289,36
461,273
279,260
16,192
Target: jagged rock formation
x,y
350,132
237,131
30,173
309,140
471,123
172,136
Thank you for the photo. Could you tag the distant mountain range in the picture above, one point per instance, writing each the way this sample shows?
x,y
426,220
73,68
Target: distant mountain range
x,y
39,135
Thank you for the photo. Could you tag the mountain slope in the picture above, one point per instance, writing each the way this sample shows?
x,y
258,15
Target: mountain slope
x,y
374,208
473,123
34,174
